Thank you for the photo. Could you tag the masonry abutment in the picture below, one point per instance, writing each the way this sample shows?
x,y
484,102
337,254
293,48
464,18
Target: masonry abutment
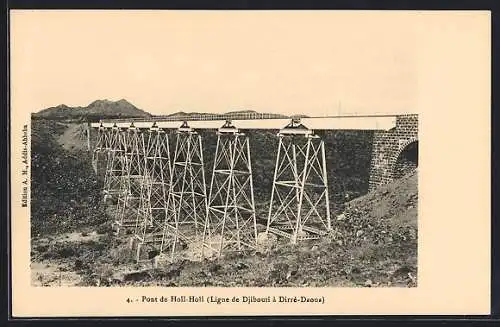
x,y
406,160
387,147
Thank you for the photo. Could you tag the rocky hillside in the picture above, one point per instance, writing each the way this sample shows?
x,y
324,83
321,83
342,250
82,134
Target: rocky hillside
x,y
98,109
65,193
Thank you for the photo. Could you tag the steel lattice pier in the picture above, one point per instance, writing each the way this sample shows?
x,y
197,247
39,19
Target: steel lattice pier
x,y
230,222
161,200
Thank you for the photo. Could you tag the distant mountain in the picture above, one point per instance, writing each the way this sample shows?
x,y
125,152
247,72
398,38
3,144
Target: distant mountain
x,y
105,109
99,109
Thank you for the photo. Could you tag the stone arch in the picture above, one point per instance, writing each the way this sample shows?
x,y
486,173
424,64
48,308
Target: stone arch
x,y
406,159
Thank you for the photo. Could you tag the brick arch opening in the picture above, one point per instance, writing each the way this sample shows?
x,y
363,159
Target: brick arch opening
x,y
406,160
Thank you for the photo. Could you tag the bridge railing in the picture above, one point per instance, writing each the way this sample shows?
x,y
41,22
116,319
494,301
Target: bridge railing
x,y
240,116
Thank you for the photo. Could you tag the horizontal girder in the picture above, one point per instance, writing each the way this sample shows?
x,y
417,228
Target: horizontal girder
x,y
382,122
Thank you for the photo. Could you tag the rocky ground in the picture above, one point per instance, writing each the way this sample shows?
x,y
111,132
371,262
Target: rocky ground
x,y
373,244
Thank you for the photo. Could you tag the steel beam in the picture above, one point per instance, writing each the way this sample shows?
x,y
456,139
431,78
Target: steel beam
x,y
372,122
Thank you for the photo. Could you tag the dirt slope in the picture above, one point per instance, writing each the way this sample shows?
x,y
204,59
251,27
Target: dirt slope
x,y
74,137
374,244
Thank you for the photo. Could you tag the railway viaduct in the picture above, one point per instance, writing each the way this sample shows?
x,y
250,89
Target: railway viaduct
x,y
162,195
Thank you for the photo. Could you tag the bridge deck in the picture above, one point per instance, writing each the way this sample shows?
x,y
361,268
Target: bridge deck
x,y
382,122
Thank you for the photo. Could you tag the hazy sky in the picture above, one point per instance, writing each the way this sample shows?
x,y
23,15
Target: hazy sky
x,y
165,61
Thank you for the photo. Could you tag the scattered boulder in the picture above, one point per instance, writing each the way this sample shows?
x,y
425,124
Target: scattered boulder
x,y
266,242
136,276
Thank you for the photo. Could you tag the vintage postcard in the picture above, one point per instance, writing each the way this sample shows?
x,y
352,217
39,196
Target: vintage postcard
x,y
184,163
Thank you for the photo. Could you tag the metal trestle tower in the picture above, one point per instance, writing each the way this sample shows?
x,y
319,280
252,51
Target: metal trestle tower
x,y
188,200
299,206
153,212
100,151
130,198
115,164
230,223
